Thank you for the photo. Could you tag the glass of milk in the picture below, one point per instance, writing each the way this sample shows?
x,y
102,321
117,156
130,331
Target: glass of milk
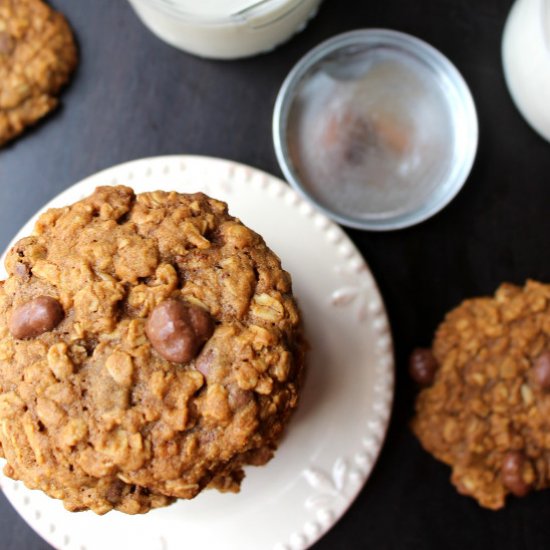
x,y
526,60
225,29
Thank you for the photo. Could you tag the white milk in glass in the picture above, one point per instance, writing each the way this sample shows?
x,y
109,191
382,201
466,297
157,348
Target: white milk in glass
x,y
225,29
526,59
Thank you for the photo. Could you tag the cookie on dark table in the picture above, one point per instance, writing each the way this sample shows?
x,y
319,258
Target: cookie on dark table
x,y
37,56
486,410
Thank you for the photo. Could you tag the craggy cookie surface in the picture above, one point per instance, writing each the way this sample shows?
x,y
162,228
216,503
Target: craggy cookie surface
x,y
487,411
37,56
150,347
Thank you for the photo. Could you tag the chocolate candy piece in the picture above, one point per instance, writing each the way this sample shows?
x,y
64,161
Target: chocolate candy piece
x,y
423,366
22,270
177,330
512,473
239,398
204,362
541,370
7,43
35,317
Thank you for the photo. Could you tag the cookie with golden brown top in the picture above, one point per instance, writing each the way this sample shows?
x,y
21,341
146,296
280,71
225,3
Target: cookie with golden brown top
x,y
37,56
486,408
150,347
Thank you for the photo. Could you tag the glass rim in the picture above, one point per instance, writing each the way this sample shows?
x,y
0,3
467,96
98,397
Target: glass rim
x,y
256,8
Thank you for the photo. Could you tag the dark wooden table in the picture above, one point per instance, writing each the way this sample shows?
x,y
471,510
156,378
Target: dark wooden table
x,y
134,96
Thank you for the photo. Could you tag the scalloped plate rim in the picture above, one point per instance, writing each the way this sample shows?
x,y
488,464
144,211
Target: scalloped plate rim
x,y
372,442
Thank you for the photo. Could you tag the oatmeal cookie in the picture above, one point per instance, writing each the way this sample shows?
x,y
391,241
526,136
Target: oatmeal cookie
x,y
487,410
37,56
150,347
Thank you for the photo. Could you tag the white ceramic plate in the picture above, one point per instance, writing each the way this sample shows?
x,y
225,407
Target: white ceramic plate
x,y
336,435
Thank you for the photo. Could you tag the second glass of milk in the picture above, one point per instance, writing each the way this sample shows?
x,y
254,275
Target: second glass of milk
x,y
225,29
526,59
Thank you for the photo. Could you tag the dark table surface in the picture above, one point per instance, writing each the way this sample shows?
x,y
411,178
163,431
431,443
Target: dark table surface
x,y
134,96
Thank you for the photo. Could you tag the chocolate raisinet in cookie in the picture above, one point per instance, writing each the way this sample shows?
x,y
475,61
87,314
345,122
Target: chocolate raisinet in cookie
x,y
150,347
487,412
37,56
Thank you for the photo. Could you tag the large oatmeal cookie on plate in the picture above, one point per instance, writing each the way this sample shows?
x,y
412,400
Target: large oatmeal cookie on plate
x,y
150,347
37,56
487,412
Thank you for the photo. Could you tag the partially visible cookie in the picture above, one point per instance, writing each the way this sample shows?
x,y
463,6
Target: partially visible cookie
x,y
487,410
37,56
